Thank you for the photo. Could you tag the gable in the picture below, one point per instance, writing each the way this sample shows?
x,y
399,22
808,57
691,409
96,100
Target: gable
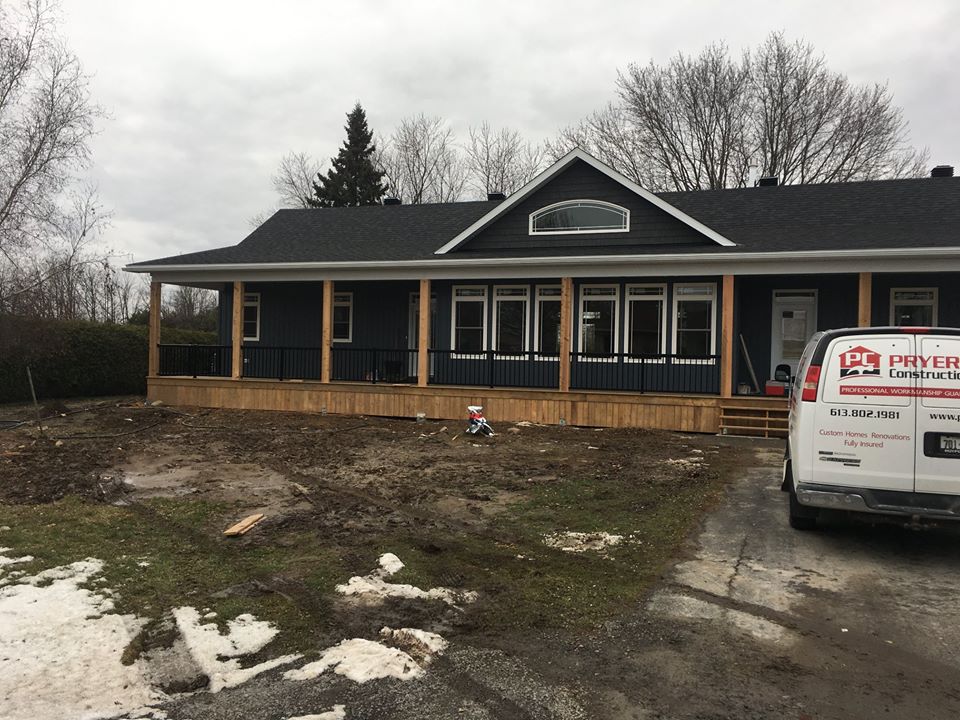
x,y
579,177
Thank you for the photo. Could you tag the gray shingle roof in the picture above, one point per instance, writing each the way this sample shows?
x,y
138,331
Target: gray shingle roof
x,y
863,215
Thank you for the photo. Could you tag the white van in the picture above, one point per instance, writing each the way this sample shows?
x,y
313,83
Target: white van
x,y
875,424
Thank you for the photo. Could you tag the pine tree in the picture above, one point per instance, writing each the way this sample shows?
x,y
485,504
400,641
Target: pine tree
x,y
354,179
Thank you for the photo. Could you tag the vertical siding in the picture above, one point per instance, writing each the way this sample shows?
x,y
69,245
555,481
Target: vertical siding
x,y
948,295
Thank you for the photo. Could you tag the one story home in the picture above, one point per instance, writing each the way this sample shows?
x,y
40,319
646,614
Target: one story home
x,y
581,298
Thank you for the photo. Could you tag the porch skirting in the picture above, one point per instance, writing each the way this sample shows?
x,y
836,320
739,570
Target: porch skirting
x,y
687,413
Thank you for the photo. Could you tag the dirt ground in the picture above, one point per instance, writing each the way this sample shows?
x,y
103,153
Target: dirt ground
x,y
708,606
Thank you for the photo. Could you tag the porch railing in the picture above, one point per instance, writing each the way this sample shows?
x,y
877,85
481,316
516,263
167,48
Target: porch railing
x,y
373,365
281,363
662,373
194,360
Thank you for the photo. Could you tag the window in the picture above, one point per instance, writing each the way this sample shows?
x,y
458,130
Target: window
x,y
694,310
343,317
548,321
646,319
579,216
510,310
251,316
598,319
916,307
469,319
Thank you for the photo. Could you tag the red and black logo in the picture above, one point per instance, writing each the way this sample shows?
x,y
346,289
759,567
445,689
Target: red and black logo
x,y
859,361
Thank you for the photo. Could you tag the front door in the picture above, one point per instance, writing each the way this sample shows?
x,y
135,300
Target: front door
x,y
794,323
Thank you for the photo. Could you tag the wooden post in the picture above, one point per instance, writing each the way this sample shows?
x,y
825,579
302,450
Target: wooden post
x,y
566,323
153,335
726,339
864,310
236,332
327,332
423,336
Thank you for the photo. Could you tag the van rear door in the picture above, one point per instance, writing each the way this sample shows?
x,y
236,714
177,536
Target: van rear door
x,y
938,414
865,419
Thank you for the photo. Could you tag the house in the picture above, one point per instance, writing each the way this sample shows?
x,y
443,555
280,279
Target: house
x,y
581,298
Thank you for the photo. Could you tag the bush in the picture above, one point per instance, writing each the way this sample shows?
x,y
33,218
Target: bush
x,y
77,359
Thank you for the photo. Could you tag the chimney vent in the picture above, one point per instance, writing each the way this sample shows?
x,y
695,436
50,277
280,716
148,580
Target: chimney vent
x,y
392,201
496,196
769,181
942,171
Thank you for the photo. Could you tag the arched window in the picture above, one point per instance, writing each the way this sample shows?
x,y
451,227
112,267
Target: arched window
x,y
579,216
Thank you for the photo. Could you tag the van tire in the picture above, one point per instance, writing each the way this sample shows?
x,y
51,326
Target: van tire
x,y
801,516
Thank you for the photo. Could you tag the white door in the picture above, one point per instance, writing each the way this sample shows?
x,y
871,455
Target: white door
x,y
865,423
794,323
938,414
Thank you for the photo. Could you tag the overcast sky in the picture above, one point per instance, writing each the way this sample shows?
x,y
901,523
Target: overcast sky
x,y
205,97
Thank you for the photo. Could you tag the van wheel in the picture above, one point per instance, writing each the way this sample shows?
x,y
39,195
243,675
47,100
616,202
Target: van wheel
x,y
801,516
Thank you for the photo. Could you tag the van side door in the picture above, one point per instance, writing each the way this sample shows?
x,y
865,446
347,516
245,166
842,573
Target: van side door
x,y
865,419
938,415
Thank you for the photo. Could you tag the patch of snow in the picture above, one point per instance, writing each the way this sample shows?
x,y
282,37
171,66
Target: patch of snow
x,y
4,560
245,635
427,643
375,586
143,563
4,528
579,542
339,712
360,660
61,648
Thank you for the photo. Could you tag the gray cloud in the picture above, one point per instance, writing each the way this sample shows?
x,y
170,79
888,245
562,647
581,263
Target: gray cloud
x,y
206,97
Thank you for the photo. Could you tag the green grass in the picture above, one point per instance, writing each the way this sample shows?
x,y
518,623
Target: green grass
x,y
522,582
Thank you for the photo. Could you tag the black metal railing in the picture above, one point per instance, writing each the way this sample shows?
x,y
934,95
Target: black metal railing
x,y
662,373
281,363
194,360
373,365
492,368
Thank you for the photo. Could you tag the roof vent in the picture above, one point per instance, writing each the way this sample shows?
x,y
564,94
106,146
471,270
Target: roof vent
x,y
942,171
392,201
496,196
769,181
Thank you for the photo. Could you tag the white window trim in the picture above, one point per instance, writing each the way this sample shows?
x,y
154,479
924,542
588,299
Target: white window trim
x,y
343,303
251,303
554,206
453,318
915,303
615,296
537,348
526,318
628,303
713,298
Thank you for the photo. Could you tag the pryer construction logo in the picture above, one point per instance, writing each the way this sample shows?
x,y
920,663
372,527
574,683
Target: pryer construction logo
x,y
858,362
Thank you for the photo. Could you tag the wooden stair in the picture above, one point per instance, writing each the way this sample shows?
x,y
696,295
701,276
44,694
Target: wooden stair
x,y
754,417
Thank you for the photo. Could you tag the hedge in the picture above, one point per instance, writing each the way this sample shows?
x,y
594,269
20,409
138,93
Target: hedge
x,y
77,359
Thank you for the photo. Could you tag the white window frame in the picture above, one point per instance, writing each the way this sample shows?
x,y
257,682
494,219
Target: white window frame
x,y
915,303
453,318
251,303
677,297
537,299
348,303
615,296
540,211
628,306
526,317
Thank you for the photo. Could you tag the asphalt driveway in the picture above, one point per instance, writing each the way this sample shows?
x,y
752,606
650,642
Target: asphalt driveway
x,y
755,621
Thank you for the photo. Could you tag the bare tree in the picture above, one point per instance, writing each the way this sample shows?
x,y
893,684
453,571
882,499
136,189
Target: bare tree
x,y
421,163
701,122
609,136
46,122
191,308
501,160
294,179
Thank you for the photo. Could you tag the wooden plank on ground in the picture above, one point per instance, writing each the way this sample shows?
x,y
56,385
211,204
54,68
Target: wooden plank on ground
x,y
243,526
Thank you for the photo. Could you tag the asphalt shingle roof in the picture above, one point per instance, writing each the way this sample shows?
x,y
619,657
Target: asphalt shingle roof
x,y
862,215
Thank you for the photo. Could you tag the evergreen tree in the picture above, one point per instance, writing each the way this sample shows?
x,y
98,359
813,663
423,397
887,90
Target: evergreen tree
x,y
354,179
